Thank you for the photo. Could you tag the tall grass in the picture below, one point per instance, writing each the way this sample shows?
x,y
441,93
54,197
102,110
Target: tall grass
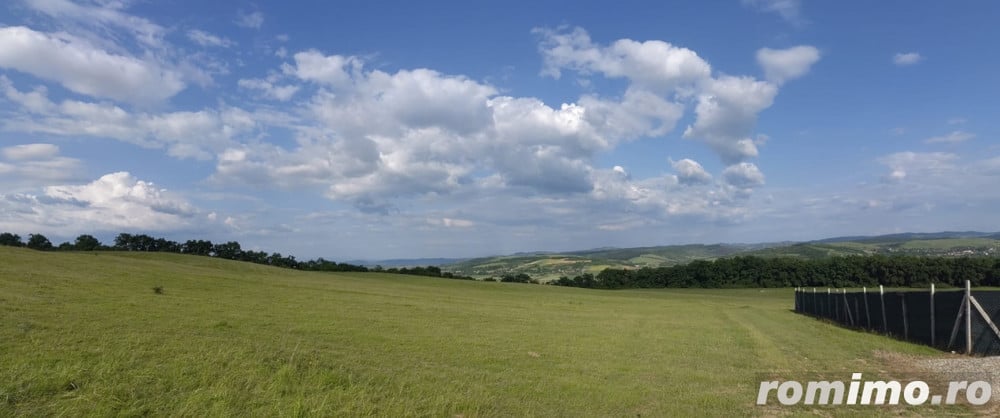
x,y
83,334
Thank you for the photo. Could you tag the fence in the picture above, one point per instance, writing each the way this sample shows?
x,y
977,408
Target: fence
x,y
958,320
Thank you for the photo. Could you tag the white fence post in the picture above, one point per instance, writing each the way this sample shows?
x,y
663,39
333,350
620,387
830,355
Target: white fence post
x,y
968,317
933,328
881,299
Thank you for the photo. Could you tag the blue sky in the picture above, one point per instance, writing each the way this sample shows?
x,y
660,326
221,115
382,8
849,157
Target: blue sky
x,y
452,129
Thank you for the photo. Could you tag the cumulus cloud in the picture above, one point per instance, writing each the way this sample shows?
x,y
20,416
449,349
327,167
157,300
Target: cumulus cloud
x,y
113,202
906,58
83,68
726,114
781,65
690,172
334,70
743,175
727,106
184,134
384,135
952,138
651,64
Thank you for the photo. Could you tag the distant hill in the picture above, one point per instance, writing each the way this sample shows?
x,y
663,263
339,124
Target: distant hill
x,y
909,236
407,262
551,265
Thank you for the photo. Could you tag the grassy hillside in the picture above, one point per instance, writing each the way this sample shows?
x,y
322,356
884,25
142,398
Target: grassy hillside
x,y
85,334
551,265
547,266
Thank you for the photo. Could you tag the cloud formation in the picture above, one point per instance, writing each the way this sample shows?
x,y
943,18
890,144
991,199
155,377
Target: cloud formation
x,y
906,58
85,69
114,202
953,137
781,65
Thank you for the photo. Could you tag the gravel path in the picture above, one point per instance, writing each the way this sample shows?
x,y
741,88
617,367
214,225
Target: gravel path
x,y
970,369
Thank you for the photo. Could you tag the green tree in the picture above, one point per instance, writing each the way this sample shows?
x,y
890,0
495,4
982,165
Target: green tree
x,y
86,243
11,240
39,242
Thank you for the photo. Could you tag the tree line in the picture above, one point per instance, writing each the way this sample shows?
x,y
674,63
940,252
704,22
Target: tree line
x,y
230,250
755,272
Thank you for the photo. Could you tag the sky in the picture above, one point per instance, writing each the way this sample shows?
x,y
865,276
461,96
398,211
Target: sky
x,y
374,130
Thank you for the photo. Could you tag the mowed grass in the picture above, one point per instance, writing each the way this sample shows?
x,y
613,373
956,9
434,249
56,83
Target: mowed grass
x,y
85,334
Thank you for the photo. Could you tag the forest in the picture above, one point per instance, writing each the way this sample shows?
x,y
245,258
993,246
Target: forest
x,y
838,272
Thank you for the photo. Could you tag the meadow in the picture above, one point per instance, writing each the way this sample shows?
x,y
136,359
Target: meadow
x,y
86,334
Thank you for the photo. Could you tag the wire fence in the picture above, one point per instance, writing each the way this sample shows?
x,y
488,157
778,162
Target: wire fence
x,y
960,320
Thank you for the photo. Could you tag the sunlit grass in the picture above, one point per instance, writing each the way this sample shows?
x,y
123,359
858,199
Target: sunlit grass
x,y
85,334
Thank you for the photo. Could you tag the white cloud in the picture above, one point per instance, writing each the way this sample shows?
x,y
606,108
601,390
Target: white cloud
x,y
727,106
184,134
250,20
30,152
654,65
268,89
79,66
690,172
31,165
203,38
106,15
727,113
743,175
451,222
381,136
113,202
957,121
907,58
908,164
790,10
638,114
312,65
952,138
781,65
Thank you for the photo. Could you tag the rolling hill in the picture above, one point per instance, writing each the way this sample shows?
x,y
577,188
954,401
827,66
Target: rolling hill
x,y
547,266
86,334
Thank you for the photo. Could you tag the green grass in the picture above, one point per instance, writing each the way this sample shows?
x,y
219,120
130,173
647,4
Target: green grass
x,y
85,334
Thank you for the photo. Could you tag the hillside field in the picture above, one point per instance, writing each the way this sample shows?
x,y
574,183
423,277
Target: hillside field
x,y
85,334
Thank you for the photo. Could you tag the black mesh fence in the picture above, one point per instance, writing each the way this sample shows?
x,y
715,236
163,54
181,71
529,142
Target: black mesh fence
x,y
932,318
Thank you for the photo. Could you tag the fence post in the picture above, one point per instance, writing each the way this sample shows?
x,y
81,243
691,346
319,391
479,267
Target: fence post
x,y
968,317
868,315
933,328
906,322
847,308
828,304
881,299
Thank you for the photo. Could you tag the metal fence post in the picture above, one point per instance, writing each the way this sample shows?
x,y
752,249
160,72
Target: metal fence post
x,y
881,298
933,328
968,317
868,316
906,322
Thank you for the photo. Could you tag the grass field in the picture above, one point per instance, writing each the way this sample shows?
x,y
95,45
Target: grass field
x,y
85,334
